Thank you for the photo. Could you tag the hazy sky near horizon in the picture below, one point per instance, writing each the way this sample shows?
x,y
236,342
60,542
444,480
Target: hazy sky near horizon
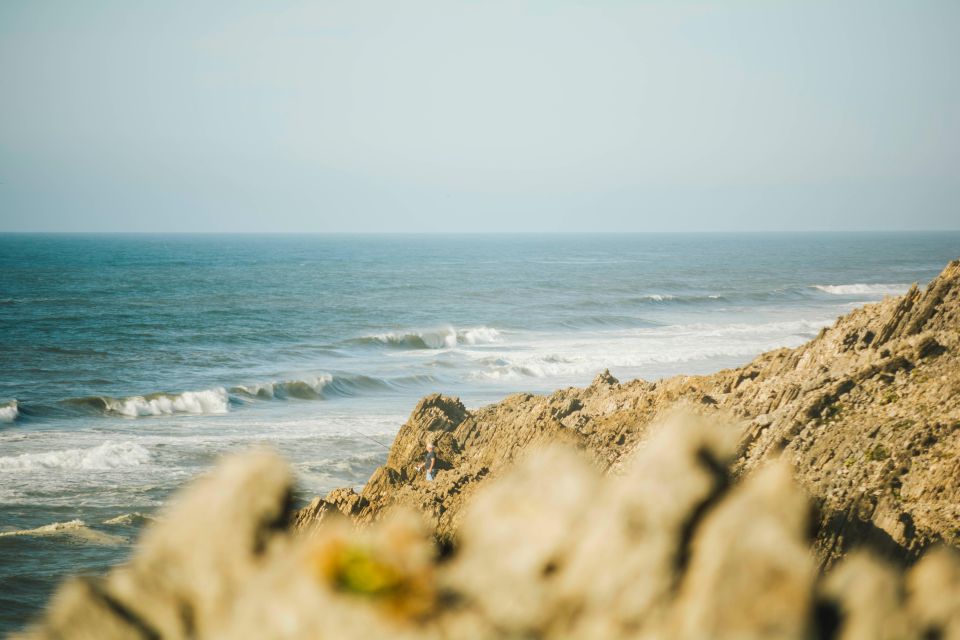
x,y
546,115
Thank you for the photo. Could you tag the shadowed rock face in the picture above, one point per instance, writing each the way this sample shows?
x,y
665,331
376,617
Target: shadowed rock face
x,y
867,415
673,547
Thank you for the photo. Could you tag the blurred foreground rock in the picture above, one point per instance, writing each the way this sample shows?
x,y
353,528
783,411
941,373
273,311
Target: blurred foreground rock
x,y
674,547
813,493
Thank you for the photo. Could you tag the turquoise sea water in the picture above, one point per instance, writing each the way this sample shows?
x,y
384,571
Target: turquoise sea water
x,y
129,363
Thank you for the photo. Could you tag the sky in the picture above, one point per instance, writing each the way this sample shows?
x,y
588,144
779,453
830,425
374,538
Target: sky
x,y
479,116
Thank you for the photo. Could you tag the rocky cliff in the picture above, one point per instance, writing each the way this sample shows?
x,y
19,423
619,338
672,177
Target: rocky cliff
x,y
867,415
810,494
675,545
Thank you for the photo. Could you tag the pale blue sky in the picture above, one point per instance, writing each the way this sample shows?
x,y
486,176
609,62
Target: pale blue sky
x,y
487,115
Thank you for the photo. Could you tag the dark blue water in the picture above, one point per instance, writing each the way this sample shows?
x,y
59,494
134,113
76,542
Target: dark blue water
x,y
129,363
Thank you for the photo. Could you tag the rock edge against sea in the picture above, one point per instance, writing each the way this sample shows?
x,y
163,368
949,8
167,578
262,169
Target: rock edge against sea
x,y
813,493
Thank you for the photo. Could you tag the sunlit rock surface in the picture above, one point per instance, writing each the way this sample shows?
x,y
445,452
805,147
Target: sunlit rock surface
x,y
675,547
867,415
813,493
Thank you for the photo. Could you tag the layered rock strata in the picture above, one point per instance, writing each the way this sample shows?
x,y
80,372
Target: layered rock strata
x,y
867,415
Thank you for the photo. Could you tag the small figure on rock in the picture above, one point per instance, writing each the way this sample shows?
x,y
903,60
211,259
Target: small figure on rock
x,y
429,461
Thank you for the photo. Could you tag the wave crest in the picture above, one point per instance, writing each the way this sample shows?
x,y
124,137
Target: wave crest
x,y
324,387
73,529
130,519
9,411
109,455
157,404
441,338
311,388
863,289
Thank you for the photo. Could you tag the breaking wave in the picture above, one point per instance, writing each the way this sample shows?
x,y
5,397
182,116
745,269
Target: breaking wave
x,y
441,338
324,387
638,348
311,388
217,401
109,455
73,529
9,411
130,519
157,404
863,289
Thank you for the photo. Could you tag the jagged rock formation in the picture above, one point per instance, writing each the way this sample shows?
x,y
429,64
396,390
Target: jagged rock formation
x,y
674,547
867,414
591,513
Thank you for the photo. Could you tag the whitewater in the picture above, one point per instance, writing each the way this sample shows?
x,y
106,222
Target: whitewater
x,y
129,363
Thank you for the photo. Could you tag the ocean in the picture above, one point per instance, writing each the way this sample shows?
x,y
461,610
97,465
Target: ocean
x,y
130,363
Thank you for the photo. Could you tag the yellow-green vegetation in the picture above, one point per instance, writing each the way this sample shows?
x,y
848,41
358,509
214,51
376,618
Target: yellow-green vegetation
x,y
878,453
391,570
356,570
889,398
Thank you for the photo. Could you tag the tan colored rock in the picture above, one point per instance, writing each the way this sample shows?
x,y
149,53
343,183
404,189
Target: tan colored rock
x,y
867,414
645,526
339,502
869,596
750,574
82,610
674,547
309,518
520,531
933,587
635,540
342,583
190,565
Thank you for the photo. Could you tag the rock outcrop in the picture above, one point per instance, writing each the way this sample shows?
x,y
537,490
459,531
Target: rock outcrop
x,y
867,415
813,493
676,546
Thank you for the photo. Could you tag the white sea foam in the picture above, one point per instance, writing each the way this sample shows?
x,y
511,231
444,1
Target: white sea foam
x,y
640,351
863,289
73,528
440,338
9,411
109,455
357,467
478,335
659,297
130,519
195,402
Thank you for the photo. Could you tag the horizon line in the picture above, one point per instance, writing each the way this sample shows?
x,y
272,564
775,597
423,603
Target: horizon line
x,y
478,233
